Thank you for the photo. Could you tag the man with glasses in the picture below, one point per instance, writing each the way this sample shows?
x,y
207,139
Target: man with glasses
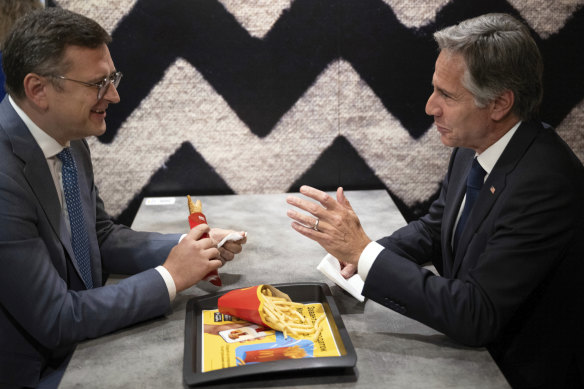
x,y
56,240
101,86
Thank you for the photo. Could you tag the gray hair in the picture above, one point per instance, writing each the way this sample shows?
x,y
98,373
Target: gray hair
x,y
37,44
500,55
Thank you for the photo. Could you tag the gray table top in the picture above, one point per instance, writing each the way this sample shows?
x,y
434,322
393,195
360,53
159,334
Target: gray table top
x,y
392,350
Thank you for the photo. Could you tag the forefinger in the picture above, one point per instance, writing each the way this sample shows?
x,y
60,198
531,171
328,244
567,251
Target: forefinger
x,y
314,194
326,201
306,205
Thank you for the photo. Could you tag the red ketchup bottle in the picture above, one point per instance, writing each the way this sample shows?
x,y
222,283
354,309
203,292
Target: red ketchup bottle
x,y
196,217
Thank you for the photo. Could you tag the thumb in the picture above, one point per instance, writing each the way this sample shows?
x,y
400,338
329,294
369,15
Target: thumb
x,y
198,231
341,199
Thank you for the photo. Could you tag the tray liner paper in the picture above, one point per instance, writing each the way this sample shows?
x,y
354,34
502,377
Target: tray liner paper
x,y
243,306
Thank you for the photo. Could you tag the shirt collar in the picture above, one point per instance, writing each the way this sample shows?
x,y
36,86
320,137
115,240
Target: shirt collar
x,y
48,144
490,156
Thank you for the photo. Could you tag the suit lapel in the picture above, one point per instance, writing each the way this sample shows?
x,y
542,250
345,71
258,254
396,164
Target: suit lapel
x,y
494,186
35,170
37,173
456,190
40,180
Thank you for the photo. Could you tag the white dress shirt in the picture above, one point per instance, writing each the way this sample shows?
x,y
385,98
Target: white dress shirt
x,y
50,148
487,159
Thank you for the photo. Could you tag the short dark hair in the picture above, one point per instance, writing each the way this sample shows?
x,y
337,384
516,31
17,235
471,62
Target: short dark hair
x,y
38,41
500,54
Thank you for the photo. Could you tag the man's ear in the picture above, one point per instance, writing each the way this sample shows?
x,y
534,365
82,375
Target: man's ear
x,y
502,105
35,88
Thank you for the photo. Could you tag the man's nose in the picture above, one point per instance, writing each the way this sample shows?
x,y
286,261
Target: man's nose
x,y
111,94
432,108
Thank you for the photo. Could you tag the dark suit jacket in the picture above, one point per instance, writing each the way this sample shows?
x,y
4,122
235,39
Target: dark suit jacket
x,y
527,225
2,91
44,306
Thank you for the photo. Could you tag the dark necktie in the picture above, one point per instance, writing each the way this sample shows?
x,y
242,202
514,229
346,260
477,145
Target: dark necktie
x,y
79,237
474,183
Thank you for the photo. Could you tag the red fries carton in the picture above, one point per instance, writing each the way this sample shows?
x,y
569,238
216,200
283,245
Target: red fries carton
x,y
246,303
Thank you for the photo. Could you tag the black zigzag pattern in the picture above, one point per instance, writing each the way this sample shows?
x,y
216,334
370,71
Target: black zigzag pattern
x,y
180,174
341,165
261,79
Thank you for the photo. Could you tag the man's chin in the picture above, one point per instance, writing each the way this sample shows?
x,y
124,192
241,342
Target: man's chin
x,y
100,130
446,141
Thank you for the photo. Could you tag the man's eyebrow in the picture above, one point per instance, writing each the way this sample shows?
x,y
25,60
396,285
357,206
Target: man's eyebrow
x,y
439,89
442,90
101,78
445,92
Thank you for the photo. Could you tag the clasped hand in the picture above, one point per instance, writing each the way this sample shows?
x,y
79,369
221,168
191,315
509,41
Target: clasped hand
x,y
193,258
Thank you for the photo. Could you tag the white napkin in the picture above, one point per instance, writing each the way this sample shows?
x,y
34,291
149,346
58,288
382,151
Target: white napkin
x,y
331,267
234,236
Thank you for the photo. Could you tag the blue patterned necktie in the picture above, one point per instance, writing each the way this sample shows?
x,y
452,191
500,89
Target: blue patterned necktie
x,y
474,183
79,237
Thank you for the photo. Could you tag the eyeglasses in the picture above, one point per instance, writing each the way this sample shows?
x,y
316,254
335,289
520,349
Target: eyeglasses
x,y
101,86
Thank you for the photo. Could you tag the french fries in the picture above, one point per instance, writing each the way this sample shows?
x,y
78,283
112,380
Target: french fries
x,y
283,315
194,207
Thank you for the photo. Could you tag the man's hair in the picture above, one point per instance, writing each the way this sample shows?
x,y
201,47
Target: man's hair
x,y
500,55
38,41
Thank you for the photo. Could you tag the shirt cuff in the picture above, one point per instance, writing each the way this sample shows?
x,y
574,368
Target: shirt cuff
x,y
170,285
181,237
368,256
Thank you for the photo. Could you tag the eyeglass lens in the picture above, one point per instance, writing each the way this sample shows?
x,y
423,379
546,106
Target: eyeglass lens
x,y
113,79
